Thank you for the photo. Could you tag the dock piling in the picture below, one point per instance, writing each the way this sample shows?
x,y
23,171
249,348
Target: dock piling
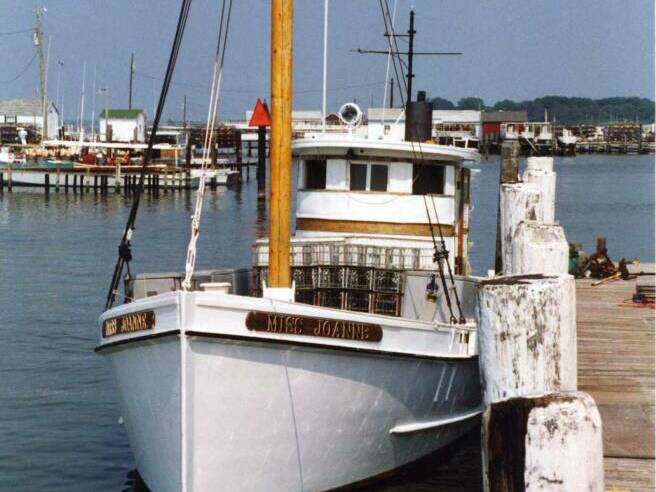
x,y
538,431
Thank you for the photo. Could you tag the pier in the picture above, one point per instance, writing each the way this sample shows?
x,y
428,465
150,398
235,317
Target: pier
x,y
616,366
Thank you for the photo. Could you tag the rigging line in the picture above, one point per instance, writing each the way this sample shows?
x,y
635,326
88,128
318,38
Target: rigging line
x,y
124,253
393,39
444,250
209,137
437,258
461,320
22,72
389,28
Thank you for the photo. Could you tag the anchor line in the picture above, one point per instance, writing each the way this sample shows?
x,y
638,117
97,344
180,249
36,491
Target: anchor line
x,y
124,251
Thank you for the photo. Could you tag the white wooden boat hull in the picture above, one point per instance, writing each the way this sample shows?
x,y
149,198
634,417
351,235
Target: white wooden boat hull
x,y
261,411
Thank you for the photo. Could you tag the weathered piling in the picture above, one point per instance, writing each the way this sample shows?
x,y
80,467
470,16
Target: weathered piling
x,y
508,173
47,182
518,202
527,335
9,181
540,174
538,248
538,432
546,443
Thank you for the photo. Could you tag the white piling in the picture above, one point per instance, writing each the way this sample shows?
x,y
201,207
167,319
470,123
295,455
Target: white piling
x,y
518,202
549,442
539,174
564,448
539,248
526,335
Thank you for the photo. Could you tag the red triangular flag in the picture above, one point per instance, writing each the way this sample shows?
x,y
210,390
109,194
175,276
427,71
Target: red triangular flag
x,y
261,116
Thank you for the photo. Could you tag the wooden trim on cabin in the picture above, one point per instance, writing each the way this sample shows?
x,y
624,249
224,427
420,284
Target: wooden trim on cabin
x,y
370,227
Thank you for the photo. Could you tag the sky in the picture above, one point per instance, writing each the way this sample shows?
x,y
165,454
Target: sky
x,y
512,49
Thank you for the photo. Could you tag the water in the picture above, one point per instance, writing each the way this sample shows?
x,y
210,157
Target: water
x,y
58,412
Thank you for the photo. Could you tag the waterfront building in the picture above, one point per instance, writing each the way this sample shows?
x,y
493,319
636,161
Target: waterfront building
x,y
125,125
28,113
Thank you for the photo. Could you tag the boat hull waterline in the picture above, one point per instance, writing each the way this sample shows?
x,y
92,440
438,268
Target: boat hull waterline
x,y
209,404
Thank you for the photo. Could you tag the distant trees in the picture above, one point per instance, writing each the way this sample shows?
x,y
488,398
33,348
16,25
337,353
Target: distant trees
x,y
441,103
567,110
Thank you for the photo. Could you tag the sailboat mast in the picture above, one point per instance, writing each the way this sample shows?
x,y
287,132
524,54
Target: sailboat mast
x,y
282,12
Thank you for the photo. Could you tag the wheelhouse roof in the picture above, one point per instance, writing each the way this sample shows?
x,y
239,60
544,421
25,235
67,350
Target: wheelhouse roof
x,y
355,146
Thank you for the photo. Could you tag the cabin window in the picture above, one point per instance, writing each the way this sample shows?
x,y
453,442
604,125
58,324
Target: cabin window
x,y
368,177
315,174
358,177
427,179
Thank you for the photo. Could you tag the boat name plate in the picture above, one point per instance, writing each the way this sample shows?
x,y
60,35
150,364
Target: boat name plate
x,y
289,324
128,323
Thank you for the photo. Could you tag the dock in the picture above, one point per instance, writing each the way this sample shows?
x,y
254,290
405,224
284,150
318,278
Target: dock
x,y
616,367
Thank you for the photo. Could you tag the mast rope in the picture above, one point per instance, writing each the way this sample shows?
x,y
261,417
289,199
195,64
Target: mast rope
x,y
440,253
124,251
208,143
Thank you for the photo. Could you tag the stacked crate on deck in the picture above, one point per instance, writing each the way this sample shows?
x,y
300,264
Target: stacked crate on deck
x,y
356,277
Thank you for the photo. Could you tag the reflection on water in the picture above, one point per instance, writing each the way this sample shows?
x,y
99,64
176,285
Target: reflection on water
x,y
58,403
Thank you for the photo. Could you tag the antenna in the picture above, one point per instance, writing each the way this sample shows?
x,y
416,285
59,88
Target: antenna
x,y
411,53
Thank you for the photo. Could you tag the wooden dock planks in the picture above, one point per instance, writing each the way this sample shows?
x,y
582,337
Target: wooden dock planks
x,y
616,366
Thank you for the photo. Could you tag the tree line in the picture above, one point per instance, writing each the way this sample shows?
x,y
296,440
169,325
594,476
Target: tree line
x,y
566,110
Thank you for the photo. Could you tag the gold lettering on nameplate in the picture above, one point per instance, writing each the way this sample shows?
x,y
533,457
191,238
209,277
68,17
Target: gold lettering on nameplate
x,y
128,323
289,324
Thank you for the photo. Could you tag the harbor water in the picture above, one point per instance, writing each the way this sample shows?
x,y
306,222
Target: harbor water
x,y
59,417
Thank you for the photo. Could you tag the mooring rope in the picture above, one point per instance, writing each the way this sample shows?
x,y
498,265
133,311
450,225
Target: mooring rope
x,y
217,77
124,251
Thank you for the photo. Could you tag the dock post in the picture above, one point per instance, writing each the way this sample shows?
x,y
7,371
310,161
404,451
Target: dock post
x,y
47,182
9,181
538,431
95,183
66,183
261,162
213,182
539,173
117,179
58,178
508,173
518,202
2,181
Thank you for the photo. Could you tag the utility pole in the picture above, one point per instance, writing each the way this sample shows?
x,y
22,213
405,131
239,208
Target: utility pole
x,y
38,42
130,87
411,44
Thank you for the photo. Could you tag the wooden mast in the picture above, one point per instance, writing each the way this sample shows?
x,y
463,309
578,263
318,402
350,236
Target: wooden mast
x,y
282,12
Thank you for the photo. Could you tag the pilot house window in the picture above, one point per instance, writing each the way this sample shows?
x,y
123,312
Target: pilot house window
x,y
427,179
315,174
368,177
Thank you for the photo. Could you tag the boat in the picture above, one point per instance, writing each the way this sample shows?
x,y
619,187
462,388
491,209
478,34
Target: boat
x,y
9,158
346,351
219,176
567,141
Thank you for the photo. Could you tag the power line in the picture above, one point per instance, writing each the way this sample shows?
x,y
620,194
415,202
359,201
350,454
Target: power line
x,y
21,73
11,33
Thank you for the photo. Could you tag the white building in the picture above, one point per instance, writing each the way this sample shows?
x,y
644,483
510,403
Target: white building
x,y
125,125
17,112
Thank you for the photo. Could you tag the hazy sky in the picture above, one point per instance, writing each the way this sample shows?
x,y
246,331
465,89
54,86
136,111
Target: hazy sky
x,y
515,49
